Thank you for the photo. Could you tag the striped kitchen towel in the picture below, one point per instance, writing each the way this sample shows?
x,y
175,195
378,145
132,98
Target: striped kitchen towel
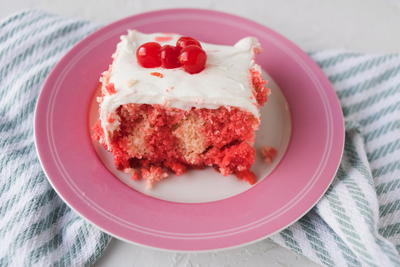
x,y
356,223
36,227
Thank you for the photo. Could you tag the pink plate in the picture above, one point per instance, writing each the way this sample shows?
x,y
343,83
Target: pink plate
x,y
81,179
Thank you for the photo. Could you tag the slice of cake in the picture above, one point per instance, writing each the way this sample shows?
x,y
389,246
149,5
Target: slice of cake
x,y
171,103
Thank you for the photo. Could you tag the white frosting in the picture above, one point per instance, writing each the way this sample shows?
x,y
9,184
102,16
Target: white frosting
x,y
225,81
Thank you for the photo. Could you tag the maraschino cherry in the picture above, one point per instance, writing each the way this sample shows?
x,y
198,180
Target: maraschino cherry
x,y
148,55
193,59
187,53
186,41
170,57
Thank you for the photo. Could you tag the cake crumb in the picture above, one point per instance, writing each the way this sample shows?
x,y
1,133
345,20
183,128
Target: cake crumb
x,y
268,153
135,175
247,175
153,175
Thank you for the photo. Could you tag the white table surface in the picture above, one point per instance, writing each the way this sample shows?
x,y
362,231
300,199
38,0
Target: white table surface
x,y
360,25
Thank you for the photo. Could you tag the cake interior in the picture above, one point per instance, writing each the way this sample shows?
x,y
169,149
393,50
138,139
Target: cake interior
x,y
153,139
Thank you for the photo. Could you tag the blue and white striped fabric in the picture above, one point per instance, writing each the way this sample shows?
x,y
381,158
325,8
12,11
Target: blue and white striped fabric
x,y
36,227
356,223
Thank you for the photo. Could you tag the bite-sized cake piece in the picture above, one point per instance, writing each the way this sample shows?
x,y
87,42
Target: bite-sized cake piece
x,y
268,153
171,103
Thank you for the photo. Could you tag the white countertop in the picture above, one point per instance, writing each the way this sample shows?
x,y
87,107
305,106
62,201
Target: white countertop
x,y
359,25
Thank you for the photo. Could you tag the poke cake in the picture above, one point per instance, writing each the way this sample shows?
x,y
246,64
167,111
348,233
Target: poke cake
x,y
170,103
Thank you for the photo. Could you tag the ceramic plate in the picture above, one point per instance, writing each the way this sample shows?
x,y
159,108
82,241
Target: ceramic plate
x,y
200,210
